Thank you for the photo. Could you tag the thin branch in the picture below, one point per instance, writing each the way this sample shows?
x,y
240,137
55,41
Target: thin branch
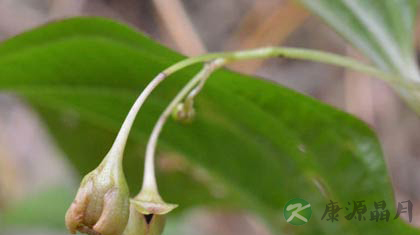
x,y
121,139
149,179
194,86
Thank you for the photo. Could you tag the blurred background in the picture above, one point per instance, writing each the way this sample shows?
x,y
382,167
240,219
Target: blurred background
x,y
194,27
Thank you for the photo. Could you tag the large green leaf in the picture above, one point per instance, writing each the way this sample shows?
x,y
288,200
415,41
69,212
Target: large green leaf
x,y
254,145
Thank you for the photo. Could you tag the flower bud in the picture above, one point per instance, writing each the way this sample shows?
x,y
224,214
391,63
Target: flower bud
x,y
147,214
101,206
184,112
142,224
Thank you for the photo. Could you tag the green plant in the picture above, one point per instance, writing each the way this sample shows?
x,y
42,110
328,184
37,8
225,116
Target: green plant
x,y
265,135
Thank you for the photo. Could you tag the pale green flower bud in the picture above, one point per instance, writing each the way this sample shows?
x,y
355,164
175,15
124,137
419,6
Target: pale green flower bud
x,y
101,206
184,112
141,224
147,214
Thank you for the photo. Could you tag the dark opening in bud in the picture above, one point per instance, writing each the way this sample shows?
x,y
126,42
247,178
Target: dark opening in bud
x,y
148,218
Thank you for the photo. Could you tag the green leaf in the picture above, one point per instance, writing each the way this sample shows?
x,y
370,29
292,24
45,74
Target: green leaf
x,y
254,145
381,29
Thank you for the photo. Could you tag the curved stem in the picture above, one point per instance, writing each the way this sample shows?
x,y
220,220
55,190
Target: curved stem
x,y
149,179
221,58
286,52
194,92
261,53
121,139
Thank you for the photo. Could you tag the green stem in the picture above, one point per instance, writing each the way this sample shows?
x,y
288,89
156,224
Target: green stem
x,y
115,154
286,52
220,59
149,179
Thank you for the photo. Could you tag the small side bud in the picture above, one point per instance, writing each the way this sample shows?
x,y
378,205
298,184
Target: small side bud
x,y
184,113
101,206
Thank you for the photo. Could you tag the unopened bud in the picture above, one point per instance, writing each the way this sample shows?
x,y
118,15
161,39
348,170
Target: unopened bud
x,y
147,214
184,113
142,224
101,206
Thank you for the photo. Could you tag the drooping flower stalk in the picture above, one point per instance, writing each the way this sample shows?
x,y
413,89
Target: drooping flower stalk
x,y
102,201
147,209
149,180
219,59
229,57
